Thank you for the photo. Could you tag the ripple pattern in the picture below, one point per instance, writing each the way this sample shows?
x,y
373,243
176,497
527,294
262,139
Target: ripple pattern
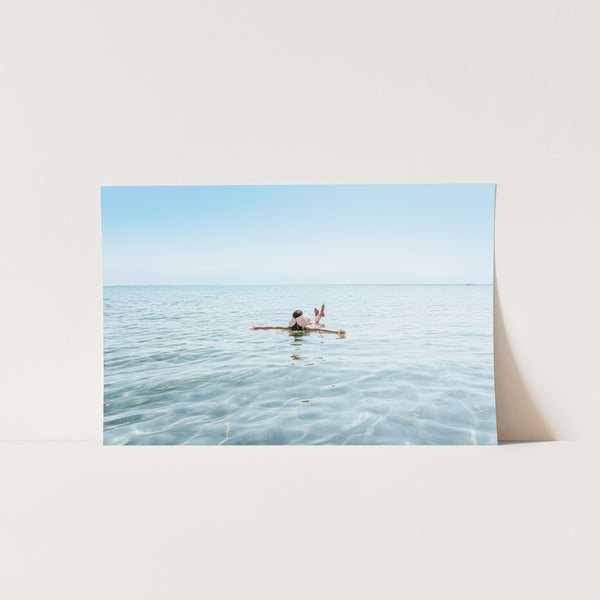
x,y
183,367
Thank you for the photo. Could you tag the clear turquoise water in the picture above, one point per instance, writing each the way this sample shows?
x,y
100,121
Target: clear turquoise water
x,y
183,367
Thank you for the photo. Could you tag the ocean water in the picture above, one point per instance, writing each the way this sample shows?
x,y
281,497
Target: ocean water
x,y
182,365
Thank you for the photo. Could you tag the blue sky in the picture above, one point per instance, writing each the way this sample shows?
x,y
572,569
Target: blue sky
x,y
321,234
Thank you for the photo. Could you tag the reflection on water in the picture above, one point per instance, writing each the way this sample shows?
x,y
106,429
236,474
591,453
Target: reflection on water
x,y
296,345
183,367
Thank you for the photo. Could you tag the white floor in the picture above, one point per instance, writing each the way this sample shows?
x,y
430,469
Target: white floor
x,y
82,521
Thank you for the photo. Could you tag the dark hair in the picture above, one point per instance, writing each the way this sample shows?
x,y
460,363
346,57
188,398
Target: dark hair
x,y
295,326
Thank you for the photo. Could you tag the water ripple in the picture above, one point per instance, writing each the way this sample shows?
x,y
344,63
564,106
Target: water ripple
x,y
183,367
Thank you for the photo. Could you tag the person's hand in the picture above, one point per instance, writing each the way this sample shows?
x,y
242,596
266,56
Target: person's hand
x,y
342,332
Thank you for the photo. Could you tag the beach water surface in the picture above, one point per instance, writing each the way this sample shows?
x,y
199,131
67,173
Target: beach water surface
x,y
182,365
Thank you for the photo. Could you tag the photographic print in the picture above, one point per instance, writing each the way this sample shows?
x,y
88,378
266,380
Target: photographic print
x,y
298,314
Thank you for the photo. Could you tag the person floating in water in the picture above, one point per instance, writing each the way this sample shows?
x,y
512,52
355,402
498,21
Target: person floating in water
x,y
302,322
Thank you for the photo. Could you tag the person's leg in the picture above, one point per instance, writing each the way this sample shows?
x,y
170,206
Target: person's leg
x,y
318,314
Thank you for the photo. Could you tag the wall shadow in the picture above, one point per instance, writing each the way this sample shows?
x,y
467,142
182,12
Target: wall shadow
x,y
518,417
